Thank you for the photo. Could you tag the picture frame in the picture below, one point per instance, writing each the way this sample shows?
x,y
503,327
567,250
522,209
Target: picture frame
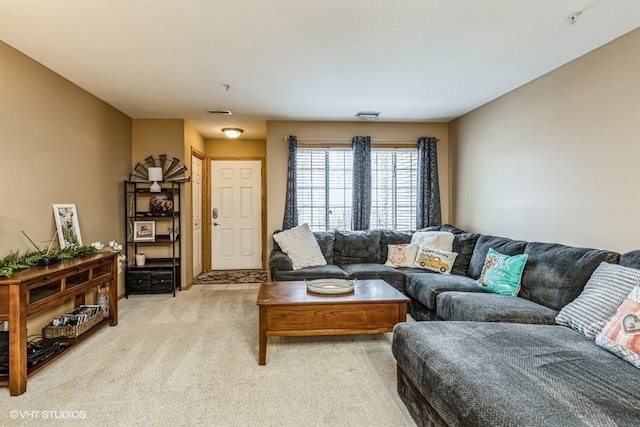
x,y
161,204
144,231
67,224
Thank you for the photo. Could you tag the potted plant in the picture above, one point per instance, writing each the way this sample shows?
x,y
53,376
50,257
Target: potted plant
x,y
173,232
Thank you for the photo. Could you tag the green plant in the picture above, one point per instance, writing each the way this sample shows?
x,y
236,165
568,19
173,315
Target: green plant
x,y
14,261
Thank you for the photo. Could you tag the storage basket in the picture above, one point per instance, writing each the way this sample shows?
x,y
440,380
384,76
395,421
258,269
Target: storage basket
x,y
72,331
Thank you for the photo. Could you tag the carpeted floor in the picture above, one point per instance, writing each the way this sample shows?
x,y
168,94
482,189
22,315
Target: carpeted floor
x,y
231,276
192,361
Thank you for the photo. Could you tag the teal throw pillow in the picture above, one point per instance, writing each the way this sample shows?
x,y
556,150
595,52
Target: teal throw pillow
x,y
501,274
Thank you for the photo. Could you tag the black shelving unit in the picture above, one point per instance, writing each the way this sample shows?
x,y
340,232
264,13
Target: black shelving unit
x,y
161,270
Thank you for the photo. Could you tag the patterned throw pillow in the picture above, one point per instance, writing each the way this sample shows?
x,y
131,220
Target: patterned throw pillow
x,y
401,255
621,335
502,274
602,295
435,260
300,245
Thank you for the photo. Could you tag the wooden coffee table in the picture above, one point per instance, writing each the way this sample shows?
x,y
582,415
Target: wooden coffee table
x,y
287,309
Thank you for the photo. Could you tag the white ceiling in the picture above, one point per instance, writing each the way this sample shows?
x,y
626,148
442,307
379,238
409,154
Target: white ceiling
x,y
412,60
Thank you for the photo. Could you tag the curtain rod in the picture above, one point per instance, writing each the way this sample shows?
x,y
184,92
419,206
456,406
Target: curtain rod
x,y
286,139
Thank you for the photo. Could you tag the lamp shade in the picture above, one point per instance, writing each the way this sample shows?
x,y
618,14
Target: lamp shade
x,y
155,175
232,132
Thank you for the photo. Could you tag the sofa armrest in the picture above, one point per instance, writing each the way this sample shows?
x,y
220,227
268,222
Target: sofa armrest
x,y
279,261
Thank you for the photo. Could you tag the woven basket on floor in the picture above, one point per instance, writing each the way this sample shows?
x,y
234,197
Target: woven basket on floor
x,y
72,331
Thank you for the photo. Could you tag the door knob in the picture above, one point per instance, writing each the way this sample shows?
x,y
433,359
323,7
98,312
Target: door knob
x,y
215,224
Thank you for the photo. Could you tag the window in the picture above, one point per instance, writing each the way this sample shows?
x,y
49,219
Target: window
x,y
394,183
325,190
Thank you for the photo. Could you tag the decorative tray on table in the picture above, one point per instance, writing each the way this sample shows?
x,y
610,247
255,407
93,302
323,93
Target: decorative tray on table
x,y
330,286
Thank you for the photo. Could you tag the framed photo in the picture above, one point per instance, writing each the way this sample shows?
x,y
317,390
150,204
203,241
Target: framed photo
x,y
161,204
144,231
67,225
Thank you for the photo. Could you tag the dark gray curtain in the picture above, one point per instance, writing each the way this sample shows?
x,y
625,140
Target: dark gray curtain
x,y
361,202
428,209
291,201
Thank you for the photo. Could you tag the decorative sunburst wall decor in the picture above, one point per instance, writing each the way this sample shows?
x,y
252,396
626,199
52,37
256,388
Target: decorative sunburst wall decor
x,y
172,170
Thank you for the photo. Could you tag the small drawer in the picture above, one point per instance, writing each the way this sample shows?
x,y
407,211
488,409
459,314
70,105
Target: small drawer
x,y
161,281
138,281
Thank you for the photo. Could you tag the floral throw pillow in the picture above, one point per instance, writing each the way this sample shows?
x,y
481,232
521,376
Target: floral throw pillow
x,y
502,274
401,255
621,335
435,260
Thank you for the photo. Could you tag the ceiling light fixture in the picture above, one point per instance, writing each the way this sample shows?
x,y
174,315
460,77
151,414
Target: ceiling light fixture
x,y
220,112
368,115
232,133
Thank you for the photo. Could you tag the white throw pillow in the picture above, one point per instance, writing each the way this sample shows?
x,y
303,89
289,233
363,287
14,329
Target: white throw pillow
x,y
434,239
300,245
435,260
401,255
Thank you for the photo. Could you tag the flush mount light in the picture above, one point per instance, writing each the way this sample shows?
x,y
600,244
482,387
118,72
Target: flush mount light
x,y
232,132
220,112
368,115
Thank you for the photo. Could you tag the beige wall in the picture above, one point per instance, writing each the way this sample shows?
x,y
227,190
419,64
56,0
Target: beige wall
x,y
175,138
277,154
58,144
557,159
192,141
234,148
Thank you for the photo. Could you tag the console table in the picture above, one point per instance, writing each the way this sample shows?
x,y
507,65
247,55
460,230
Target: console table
x,y
36,289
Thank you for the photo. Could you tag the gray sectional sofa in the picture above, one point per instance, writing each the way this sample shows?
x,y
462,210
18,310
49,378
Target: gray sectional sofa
x,y
485,359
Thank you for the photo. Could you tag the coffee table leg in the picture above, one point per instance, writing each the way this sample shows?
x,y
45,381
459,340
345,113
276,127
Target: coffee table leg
x,y
262,336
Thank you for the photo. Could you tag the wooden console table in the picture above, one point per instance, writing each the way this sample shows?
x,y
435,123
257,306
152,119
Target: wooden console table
x,y
36,289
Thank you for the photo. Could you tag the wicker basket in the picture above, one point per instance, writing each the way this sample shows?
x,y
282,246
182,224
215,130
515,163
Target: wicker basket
x,y
72,331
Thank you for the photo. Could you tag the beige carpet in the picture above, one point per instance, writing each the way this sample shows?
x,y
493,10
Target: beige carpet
x,y
192,361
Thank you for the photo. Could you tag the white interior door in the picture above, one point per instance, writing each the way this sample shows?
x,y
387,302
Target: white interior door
x,y
196,197
236,217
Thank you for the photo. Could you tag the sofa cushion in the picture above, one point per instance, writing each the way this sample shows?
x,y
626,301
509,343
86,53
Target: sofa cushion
x,y
326,241
353,247
425,287
463,245
488,307
509,374
501,273
392,276
602,295
501,244
621,335
556,274
393,237
301,246
319,272
630,259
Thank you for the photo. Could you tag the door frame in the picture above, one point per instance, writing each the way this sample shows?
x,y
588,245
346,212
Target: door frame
x,y
203,157
207,250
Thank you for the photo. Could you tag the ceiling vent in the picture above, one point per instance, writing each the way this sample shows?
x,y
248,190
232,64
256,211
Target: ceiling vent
x,y
220,112
368,115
